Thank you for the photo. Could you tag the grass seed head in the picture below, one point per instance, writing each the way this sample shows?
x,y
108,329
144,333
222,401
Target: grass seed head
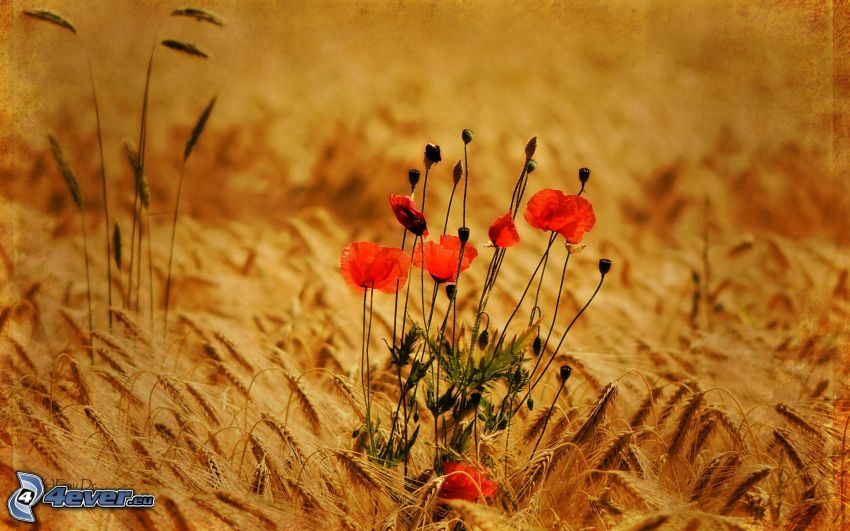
x,y
52,18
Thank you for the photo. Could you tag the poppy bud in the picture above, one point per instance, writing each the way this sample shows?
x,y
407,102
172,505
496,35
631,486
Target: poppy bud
x,y
565,372
355,433
537,346
463,234
451,290
415,416
583,175
530,166
466,136
530,404
531,147
413,177
483,340
457,173
604,266
432,154
475,399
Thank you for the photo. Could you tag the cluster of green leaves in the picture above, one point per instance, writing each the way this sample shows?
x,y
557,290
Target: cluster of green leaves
x,y
478,385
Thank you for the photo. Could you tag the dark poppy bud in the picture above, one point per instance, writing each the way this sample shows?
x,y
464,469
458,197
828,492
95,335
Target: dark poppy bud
x,y
466,136
355,433
530,404
483,340
457,173
531,147
537,346
583,175
415,416
413,177
463,234
565,372
530,166
475,399
432,153
451,290
604,266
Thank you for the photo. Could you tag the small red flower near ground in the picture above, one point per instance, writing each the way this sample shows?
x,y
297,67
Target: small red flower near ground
x,y
408,215
465,482
441,258
503,231
369,265
569,215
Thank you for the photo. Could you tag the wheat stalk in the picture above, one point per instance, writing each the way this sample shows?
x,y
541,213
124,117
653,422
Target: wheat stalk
x,y
245,507
606,397
201,15
686,421
77,196
797,420
52,18
746,484
190,144
177,520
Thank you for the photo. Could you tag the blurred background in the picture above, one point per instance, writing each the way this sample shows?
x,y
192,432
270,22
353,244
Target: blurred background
x,y
718,172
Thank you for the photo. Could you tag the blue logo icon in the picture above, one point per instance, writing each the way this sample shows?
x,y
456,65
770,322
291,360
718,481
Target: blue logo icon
x,y
22,501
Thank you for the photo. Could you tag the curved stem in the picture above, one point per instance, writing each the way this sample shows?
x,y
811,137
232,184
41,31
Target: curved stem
x,y
103,188
564,336
88,284
171,249
449,209
548,415
554,316
527,286
465,180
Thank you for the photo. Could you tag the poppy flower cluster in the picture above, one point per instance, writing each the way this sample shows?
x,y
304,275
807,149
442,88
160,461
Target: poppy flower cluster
x,y
466,482
368,265
568,215
436,351
441,259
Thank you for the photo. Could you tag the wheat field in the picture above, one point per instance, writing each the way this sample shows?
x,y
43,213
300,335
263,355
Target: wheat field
x,y
709,385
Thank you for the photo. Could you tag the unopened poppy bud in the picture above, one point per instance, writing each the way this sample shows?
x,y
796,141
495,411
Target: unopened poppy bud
x,y
537,346
451,290
475,399
583,175
530,166
415,416
432,154
565,372
466,136
530,404
413,177
463,234
457,173
355,433
604,266
483,340
531,147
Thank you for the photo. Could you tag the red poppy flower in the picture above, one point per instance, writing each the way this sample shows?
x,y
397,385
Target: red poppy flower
x,y
368,265
441,258
407,214
465,482
503,231
553,210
